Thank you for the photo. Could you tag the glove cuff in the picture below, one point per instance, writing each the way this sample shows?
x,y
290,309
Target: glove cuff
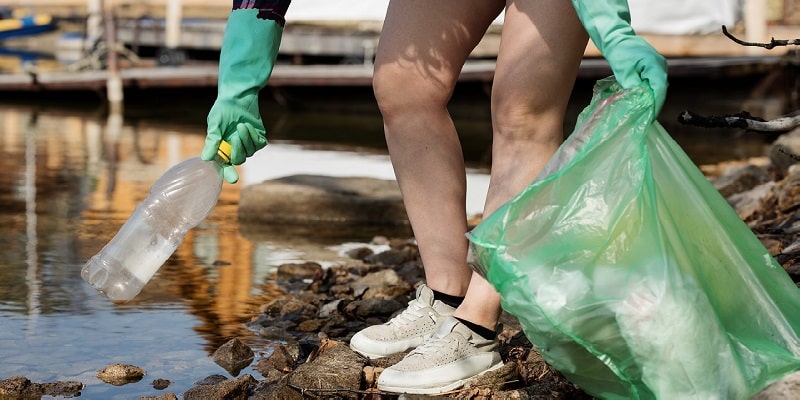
x,y
249,50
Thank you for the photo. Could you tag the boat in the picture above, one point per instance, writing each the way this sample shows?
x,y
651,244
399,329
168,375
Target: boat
x,y
13,25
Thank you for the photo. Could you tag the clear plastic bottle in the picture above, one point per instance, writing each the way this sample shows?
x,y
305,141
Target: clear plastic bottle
x,y
178,201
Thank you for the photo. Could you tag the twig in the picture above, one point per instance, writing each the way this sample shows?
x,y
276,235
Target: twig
x,y
772,43
331,390
377,392
741,120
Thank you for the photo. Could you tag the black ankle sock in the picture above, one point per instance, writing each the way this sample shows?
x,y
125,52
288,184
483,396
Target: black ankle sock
x,y
485,333
450,300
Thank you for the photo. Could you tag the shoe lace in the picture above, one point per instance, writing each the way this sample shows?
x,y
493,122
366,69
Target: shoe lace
x,y
431,345
412,313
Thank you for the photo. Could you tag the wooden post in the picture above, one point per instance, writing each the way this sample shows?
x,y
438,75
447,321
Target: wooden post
x,y
113,80
755,23
171,54
94,23
173,21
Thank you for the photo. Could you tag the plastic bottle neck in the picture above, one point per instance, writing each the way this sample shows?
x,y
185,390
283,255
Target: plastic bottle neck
x,y
223,153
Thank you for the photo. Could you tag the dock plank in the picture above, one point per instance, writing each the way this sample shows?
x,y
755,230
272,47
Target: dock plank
x,y
342,75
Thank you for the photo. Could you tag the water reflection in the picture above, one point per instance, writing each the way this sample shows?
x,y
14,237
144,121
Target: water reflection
x,y
70,181
32,259
72,176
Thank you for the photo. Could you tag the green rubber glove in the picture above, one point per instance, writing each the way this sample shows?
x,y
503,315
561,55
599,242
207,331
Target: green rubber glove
x,y
248,53
632,59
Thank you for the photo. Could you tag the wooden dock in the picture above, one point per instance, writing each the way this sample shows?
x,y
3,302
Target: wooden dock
x,y
339,75
693,55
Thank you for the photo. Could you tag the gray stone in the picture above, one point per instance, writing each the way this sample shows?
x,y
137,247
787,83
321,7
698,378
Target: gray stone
x,y
311,199
747,203
334,367
229,389
385,283
233,356
785,150
786,388
20,387
739,179
120,374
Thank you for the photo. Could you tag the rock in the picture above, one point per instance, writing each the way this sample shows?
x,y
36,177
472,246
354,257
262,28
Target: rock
x,y
211,380
794,272
334,371
160,384
359,253
739,179
308,270
389,257
497,379
233,356
228,389
786,388
120,374
20,387
290,308
168,396
785,150
747,203
373,307
385,283
304,199
275,366
330,308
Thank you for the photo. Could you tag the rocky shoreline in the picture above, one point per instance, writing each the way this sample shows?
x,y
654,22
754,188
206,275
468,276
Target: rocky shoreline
x,y
311,324
310,327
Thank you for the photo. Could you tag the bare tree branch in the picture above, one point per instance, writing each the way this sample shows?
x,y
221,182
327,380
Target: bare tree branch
x,y
772,43
741,120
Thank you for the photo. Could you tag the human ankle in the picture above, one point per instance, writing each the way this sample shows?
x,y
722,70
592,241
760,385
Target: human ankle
x,y
481,331
450,300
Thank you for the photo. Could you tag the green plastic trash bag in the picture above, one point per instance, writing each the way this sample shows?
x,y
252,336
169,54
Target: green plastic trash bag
x,y
631,274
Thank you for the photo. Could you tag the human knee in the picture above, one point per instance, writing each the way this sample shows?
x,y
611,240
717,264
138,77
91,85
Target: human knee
x,y
400,92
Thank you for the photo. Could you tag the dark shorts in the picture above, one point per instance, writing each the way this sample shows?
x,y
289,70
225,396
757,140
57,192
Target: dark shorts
x,y
267,9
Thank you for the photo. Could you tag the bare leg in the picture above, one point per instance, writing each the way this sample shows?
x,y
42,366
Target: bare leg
x,y
422,49
540,53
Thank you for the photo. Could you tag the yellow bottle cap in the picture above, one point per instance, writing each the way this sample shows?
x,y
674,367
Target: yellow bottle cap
x,y
224,151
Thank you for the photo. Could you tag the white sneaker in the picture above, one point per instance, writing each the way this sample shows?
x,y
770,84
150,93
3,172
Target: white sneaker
x,y
445,362
405,331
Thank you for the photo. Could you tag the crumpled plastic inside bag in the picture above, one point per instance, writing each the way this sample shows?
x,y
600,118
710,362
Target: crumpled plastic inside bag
x,y
631,274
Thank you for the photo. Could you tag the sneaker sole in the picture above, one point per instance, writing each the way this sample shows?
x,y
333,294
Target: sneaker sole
x,y
368,355
404,346
438,389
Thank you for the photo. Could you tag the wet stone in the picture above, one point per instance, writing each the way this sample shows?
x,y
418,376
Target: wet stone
x,y
373,307
388,257
228,389
211,380
333,370
167,396
359,253
299,271
160,384
20,387
233,356
309,199
120,374
740,179
277,365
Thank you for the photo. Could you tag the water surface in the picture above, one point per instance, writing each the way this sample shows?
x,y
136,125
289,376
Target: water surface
x,y
71,177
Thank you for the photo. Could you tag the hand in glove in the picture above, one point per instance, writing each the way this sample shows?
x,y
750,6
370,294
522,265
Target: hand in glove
x,y
631,58
249,50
